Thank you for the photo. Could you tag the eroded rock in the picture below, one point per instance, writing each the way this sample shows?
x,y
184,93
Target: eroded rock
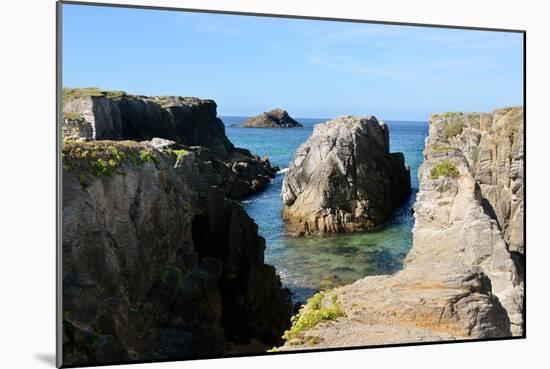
x,y
459,280
157,263
164,121
344,179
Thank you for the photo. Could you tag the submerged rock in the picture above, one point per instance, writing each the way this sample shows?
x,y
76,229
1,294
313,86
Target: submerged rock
x,y
157,263
276,118
459,280
344,179
91,114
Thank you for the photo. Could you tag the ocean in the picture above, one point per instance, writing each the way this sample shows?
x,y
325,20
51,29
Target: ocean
x,y
311,263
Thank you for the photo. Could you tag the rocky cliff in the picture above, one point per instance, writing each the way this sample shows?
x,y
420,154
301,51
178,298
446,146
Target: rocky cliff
x,y
459,280
157,263
276,118
91,114
344,179
493,145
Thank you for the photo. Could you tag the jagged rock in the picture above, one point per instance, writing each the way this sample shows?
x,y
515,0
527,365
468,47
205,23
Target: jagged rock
x,y
157,263
344,179
493,145
459,280
166,122
276,118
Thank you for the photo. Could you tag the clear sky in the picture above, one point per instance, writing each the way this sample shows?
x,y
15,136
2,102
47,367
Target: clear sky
x,y
311,68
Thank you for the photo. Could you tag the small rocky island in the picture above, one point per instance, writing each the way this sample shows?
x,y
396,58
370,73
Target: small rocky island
x,y
463,277
344,179
276,118
158,261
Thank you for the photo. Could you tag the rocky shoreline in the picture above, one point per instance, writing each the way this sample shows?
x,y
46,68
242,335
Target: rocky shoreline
x,y
158,262
460,279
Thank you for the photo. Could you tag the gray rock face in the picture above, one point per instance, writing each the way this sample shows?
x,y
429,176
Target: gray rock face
x,y
187,121
344,179
157,263
493,145
276,118
459,280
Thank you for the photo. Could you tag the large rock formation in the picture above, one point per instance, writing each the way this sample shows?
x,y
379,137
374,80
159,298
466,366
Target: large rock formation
x,y
276,118
91,114
459,280
344,179
493,145
157,264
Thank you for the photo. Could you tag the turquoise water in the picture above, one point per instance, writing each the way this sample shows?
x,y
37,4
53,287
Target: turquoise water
x,y
320,262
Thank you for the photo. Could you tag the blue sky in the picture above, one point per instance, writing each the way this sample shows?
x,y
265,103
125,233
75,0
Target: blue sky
x,y
311,68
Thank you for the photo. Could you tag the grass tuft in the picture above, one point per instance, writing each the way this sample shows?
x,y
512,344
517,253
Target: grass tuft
x,y
453,129
444,169
442,148
147,156
311,314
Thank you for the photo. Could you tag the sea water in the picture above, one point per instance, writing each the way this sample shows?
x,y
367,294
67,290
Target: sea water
x,y
308,264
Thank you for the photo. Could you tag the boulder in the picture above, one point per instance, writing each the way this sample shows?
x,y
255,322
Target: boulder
x,y
276,118
344,179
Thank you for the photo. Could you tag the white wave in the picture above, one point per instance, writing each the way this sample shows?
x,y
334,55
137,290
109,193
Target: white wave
x,y
284,170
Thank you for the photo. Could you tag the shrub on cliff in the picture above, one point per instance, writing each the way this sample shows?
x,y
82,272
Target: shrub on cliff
x,y
454,128
444,169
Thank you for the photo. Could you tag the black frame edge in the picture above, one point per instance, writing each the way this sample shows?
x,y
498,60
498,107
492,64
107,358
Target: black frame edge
x,y
59,6
290,16
59,191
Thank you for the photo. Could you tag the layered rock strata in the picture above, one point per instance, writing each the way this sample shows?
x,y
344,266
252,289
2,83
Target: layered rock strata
x,y
91,114
344,179
276,118
157,263
459,280
493,145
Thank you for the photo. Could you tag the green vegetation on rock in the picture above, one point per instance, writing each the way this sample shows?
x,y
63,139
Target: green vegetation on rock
x,y
77,93
442,148
449,114
454,128
103,157
71,115
444,169
180,155
311,314
147,156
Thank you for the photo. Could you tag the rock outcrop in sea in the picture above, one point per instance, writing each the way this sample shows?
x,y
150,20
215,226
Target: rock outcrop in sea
x,y
344,179
158,263
91,114
276,118
460,279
